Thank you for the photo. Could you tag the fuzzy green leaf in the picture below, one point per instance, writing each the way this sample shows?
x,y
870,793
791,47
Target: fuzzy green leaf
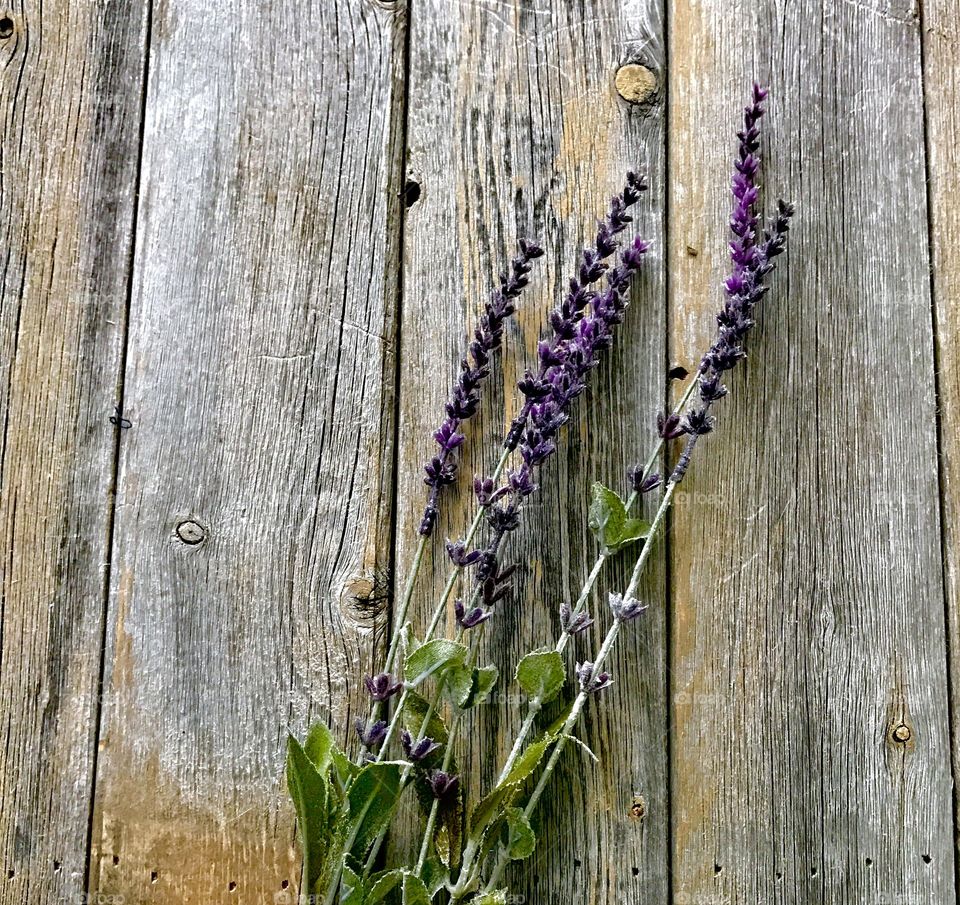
x,y
434,876
351,887
309,791
498,897
382,884
457,684
609,521
414,892
541,674
431,657
416,712
373,798
521,839
484,679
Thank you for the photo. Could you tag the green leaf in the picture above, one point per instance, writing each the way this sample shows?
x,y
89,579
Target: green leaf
x,y
408,639
609,521
521,839
414,892
434,876
351,887
484,678
381,885
430,657
416,712
319,747
373,798
309,791
541,674
457,684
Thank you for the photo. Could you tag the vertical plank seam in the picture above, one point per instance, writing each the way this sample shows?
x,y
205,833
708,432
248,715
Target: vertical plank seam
x,y
941,489
665,403
112,493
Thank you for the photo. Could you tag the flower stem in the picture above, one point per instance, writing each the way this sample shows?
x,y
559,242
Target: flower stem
x,y
581,699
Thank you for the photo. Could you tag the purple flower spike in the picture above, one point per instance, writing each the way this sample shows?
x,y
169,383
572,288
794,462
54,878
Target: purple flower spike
x,y
591,683
467,619
382,686
669,426
444,785
751,258
574,625
417,751
457,551
464,400
372,734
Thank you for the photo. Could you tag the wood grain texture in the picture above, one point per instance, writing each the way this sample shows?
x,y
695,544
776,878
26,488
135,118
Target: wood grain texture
x,y
941,43
253,519
807,591
70,97
516,129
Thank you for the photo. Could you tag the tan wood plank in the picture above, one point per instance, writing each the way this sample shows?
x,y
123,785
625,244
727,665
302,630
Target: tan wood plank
x,y
807,594
70,101
516,129
941,43
253,519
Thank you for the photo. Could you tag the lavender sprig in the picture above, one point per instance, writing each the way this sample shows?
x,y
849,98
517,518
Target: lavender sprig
x,y
751,263
464,400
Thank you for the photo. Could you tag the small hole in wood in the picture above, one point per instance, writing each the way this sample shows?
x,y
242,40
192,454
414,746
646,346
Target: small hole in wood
x,y
154,876
813,871
56,867
11,874
779,875
635,871
116,859
284,884
411,193
717,870
232,885
869,862
6,27
577,862
927,859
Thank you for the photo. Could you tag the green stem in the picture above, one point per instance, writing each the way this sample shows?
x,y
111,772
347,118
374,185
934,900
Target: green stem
x,y
602,655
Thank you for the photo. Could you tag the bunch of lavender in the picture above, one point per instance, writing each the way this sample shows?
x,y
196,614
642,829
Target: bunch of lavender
x,y
345,806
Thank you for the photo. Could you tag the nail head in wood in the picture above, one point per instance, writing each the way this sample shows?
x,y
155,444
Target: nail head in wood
x,y
635,83
902,733
6,27
191,532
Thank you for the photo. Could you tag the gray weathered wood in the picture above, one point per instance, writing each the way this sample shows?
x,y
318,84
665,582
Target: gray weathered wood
x,y
70,97
253,510
806,570
516,129
941,37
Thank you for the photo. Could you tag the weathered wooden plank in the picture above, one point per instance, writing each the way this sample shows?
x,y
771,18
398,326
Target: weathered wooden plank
x,y
807,591
941,42
70,98
516,129
254,491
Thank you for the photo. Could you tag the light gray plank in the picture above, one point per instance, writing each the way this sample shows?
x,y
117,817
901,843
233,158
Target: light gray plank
x,y
807,592
253,515
70,99
516,129
941,42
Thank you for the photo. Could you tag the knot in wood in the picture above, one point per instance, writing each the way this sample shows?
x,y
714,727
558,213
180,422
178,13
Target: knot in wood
x,y
635,83
190,532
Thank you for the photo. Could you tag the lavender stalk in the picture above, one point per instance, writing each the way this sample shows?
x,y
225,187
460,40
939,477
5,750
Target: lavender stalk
x,y
752,262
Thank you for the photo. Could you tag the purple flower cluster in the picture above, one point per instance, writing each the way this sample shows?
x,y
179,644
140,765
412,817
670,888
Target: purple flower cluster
x,y
464,400
589,682
583,327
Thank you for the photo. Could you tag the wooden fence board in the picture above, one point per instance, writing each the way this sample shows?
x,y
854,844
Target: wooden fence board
x,y
70,100
941,41
254,489
516,129
807,593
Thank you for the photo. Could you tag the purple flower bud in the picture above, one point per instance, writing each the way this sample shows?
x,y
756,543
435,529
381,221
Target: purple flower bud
x,y
444,785
641,483
372,734
669,426
699,422
417,751
382,686
574,625
469,619
625,610
457,551
591,683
